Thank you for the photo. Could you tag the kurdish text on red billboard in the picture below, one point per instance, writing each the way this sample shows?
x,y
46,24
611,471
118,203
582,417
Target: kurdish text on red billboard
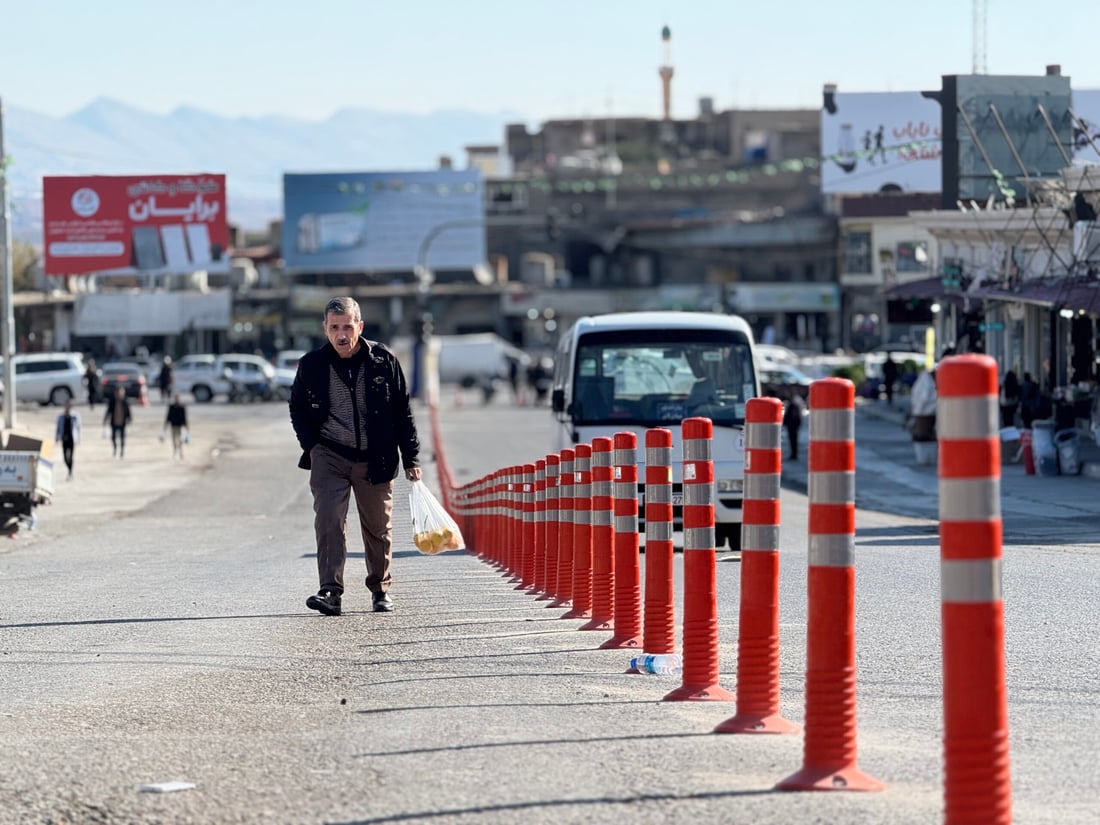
x,y
135,223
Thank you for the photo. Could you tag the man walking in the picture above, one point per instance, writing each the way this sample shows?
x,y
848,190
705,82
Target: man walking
x,y
349,407
117,417
889,377
68,433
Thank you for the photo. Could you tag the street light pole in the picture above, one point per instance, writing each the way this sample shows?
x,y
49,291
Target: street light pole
x,y
7,289
425,278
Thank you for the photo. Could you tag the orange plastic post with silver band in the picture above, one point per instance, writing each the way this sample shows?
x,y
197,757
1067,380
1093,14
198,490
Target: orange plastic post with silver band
x,y
977,780
700,675
515,524
758,628
582,534
603,537
491,517
659,635
829,745
624,491
539,583
502,519
551,528
515,542
500,509
564,593
527,527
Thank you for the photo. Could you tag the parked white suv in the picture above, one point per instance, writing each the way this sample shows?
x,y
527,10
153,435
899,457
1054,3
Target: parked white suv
x,y
48,377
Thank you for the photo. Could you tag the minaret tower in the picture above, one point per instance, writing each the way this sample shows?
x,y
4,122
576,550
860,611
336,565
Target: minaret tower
x,y
666,72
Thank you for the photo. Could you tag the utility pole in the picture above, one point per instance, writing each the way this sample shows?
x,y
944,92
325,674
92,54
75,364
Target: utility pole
x,y
7,289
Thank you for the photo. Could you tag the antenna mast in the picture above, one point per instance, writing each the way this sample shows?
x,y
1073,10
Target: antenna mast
x,y
978,48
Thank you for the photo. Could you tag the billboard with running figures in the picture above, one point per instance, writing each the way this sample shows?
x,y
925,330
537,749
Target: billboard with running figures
x,y
156,224
1086,129
383,221
880,141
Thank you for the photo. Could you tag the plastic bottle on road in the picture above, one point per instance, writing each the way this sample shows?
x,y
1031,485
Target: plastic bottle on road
x,y
662,664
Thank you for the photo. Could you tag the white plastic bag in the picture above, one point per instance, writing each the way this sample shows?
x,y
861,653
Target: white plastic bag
x,y
433,528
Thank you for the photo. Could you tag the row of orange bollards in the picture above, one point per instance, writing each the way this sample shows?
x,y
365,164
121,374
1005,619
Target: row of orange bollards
x,y
566,529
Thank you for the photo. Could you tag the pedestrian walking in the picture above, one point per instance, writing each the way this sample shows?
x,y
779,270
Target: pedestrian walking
x,y
514,381
1010,399
349,407
889,378
164,378
176,421
793,411
117,417
68,433
91,380
1030,400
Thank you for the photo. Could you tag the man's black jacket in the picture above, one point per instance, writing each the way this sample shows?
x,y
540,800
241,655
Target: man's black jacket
x,y
386,415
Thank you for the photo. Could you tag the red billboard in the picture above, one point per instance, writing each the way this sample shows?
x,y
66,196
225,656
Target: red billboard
x,y
129,224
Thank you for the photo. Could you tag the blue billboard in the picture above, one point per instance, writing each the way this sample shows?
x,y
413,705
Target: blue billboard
x,y
383,221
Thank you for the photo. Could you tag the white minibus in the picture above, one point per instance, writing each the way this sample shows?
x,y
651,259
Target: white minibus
x,y
632,371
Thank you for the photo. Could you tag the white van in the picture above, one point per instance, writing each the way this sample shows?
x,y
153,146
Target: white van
x,y
476,359
629,372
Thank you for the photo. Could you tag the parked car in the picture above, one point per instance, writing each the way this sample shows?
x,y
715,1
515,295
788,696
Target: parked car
x,y
236,374
286,367
125,374
780,381
48,377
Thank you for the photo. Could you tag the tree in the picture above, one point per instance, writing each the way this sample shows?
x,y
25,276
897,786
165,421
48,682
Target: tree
x,y
24,262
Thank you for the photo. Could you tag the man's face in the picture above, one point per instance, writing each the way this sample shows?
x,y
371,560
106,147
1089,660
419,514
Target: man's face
x,y
342,332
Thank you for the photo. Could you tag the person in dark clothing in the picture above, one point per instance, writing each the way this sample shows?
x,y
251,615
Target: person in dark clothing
x,y
91,380
176,421
117,417
68,433
513,380
1030,400
1010,399
164,378
349,407
889,377
792,419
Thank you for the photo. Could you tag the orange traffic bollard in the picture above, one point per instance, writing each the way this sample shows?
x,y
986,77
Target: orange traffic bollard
x,y
700,676
539,585
758,636
628,599
527,527
515,524
977,780
582,534
603,537
829,746
550,536
659,635
564,593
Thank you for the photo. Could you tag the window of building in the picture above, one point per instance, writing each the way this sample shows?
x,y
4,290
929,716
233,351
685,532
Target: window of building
x,y
857,253
912,256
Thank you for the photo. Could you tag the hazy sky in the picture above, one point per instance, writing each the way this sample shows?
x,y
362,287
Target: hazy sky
x,y
538,58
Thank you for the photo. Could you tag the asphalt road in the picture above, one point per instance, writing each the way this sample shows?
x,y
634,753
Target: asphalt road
x,y
153,629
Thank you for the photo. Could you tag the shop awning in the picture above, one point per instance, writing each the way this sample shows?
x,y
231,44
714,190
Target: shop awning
x,y
1053,293
928,289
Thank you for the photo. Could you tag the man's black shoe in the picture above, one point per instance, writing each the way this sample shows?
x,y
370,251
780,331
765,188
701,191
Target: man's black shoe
x,y
383,603
325,602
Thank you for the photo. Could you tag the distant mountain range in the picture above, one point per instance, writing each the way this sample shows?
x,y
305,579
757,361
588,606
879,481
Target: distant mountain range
x,y
110,138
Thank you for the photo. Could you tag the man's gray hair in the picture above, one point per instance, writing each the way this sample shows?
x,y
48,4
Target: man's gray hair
x,y
344,305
